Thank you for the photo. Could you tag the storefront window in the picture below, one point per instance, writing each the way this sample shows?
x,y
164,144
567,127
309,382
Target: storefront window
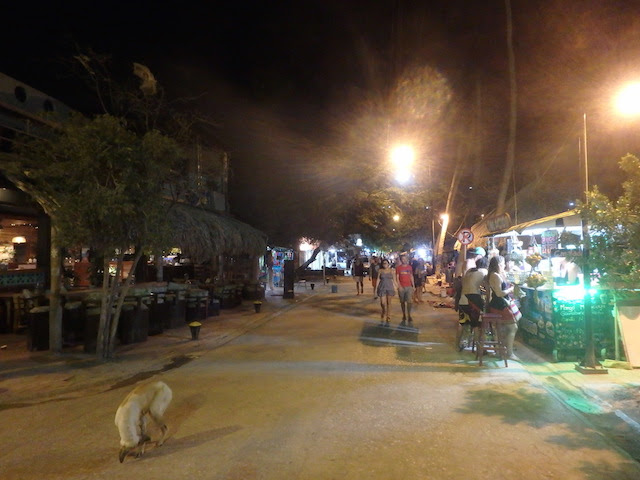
x,y
18,243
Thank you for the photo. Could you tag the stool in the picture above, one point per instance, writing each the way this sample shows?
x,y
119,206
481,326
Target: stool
x,y
492,322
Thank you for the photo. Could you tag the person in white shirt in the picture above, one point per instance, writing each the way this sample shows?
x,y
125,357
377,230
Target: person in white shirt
x,y
471,303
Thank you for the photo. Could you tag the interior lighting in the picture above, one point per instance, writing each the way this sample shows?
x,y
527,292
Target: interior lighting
x,y
18,240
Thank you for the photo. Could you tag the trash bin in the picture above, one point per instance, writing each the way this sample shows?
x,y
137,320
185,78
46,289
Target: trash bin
x,y
72,323
334,288
91,325
176,306
214,307
38,331
134,323
158,314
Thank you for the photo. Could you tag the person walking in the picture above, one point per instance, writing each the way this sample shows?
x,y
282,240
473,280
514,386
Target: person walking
x,y
404,278
374,268
269,263
357,270
418,279
385,290
499,303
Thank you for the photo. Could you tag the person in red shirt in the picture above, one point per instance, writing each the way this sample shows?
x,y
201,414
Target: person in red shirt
x,y
404,278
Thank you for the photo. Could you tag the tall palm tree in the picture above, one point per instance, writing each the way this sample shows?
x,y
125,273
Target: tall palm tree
x,y
511,145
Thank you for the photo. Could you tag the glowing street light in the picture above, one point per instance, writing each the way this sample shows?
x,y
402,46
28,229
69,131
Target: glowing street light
x,y
396,218
627,101
402,158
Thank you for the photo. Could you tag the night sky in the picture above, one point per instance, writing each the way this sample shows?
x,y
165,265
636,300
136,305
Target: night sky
x,y
306,93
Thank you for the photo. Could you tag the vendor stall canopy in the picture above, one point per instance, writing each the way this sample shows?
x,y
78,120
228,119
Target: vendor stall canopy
x,y
203,234
569,220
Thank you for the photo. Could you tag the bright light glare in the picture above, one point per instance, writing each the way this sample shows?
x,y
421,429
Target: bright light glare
x,y
445,217
396,218
628,100
403,176
402,158
305,247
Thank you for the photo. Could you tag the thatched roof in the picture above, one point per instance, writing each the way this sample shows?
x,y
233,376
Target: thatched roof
x,y
203,234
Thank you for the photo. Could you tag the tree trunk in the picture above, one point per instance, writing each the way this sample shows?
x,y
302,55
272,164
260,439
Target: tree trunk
x,y
55,306
159,270
104,327
121,294
511,146
302,267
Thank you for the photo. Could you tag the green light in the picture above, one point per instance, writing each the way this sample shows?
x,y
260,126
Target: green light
x,y
572,292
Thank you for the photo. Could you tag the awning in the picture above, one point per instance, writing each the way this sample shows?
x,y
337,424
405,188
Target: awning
x,y
570,219
202,234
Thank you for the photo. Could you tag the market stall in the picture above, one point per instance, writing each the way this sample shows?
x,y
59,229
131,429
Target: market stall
x,y
553,321
543,262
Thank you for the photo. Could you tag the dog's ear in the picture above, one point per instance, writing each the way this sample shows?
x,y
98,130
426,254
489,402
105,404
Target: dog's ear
x,y
123,453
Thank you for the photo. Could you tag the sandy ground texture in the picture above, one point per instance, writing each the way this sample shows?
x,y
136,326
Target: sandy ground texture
x,y
313,388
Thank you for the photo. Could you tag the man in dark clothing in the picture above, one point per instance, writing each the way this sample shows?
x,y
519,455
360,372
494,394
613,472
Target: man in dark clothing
x,y
357,271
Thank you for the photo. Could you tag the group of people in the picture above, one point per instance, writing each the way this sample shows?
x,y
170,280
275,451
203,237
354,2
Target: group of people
x,y
480,286
406,279
483,286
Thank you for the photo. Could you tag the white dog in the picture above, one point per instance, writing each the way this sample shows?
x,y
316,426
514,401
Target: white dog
x,y
131,418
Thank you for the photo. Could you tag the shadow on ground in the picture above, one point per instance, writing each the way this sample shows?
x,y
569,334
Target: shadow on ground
x,y
344,306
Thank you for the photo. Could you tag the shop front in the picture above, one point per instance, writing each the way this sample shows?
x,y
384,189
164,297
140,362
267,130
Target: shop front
x,y
24,252
542,261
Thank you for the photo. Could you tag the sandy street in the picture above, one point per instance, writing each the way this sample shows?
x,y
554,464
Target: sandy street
x,y
322,392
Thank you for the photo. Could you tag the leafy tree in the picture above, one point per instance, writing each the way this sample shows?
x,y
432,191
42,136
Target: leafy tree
x,y
615,227
102,186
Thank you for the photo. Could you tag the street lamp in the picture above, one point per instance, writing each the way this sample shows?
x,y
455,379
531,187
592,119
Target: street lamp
x,y
402,157
628,100
589,363
443,231
627,103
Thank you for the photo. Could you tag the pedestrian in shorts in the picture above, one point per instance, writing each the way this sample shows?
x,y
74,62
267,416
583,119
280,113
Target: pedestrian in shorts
x,y
406,287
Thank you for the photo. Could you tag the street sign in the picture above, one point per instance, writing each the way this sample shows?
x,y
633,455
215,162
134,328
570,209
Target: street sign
x,y
465,236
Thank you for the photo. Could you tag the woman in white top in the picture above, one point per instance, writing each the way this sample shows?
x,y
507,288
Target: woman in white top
x,y
499,303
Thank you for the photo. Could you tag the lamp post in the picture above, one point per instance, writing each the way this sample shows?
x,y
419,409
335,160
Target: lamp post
x,y
443,231
589,363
